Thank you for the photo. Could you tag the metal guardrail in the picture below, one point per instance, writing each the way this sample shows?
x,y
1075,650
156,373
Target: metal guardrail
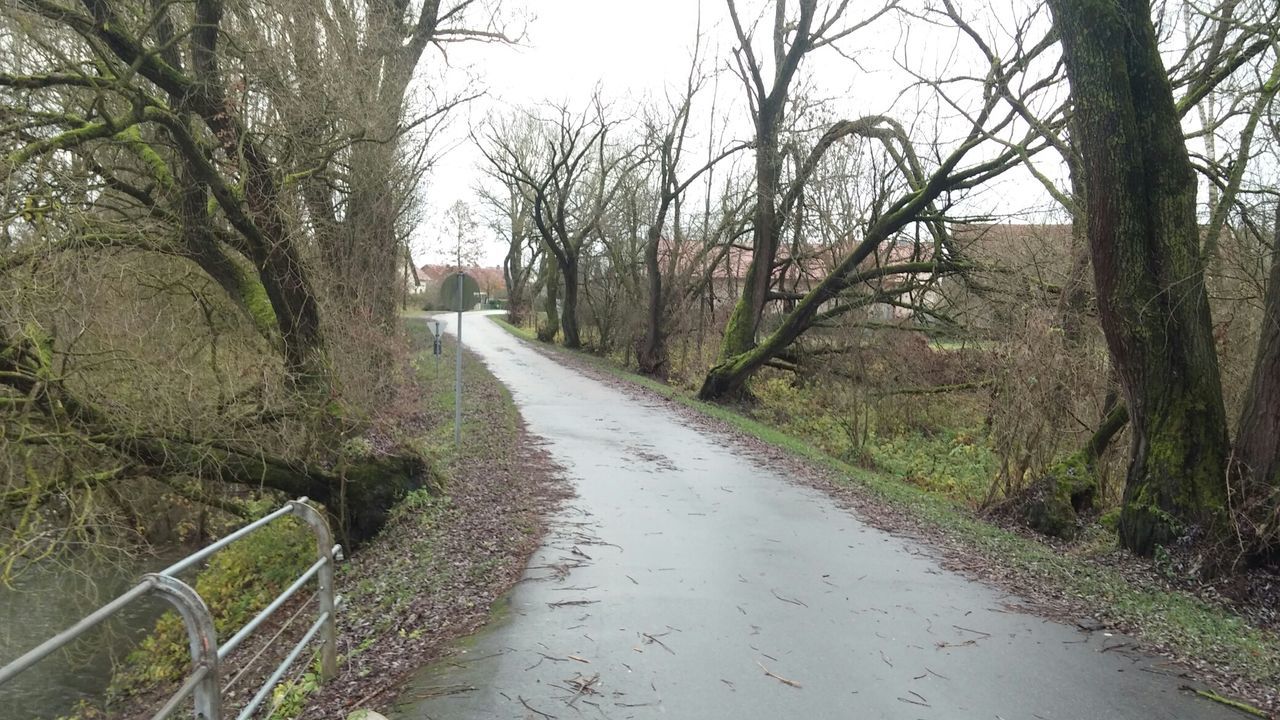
x,y
204,682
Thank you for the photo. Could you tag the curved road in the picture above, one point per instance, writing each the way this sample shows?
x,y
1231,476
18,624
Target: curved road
x,y
689,581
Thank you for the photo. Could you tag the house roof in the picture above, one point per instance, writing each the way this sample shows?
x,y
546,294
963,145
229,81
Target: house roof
x,y
990,243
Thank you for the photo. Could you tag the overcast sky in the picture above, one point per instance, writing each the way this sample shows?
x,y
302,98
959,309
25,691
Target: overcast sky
x,y
628,48
633,49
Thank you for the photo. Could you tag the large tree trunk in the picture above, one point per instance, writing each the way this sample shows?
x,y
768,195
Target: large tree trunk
x,y
569,309
652,354
358,493
288,287
515,277
744,322
362,252
1143,238
548,330
1257,451
770,106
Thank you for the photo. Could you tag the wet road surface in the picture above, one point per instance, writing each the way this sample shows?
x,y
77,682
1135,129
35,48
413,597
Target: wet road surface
x,y
689,581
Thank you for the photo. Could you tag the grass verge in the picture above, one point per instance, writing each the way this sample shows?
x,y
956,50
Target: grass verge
x,y
1219,643
444,559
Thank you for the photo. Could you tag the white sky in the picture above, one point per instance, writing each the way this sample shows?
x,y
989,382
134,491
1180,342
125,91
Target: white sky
x,y
628,48
634,49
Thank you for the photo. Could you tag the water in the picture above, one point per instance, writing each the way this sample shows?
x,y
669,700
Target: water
x,y
43,603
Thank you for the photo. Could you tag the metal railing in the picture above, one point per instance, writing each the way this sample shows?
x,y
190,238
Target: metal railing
x,y
207,657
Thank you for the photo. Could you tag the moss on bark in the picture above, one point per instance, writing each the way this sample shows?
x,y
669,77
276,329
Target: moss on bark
x,y
1052,505
1144,241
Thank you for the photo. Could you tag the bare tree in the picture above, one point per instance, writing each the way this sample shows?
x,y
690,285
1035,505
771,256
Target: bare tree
x,y
509,209
666,138
857,279
792,39
161,140
375,47
572,183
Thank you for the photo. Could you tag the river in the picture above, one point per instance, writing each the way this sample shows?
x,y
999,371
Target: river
x,y
44,602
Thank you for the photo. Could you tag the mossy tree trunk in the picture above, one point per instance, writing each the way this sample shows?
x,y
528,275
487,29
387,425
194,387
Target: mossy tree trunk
x,y
769,103
516,268
728,378
1143,237
359,493
830,297
548,330
744,322
1113,421
250,198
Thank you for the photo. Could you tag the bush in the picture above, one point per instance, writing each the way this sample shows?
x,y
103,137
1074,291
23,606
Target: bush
x,y
236,584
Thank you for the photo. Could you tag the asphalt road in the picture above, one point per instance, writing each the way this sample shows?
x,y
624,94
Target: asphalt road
x,y
689,581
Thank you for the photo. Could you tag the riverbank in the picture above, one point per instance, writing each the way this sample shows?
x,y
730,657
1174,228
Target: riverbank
x,y
448,552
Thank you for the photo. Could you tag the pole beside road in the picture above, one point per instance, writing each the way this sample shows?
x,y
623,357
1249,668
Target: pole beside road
x,y
457,377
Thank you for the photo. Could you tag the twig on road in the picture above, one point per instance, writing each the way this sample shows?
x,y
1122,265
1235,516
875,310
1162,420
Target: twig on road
x,y
564,603
583,685
534,710
546,657
654,639
777,677
975,632
788,600
1215,697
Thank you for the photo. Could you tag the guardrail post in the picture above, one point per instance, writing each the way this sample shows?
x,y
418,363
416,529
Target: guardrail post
x,y
202,638
325,550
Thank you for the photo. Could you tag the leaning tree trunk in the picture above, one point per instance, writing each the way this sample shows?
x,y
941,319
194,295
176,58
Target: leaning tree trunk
x,y
1144,242
358,493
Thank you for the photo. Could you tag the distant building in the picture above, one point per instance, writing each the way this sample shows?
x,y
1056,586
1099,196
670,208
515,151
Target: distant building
x,y
485,283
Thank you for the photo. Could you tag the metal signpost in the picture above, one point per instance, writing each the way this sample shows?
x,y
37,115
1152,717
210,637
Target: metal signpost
x,y
457,377
437,347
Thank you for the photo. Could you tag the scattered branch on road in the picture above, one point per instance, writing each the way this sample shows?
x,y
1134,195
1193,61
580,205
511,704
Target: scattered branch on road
x,y
777,677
